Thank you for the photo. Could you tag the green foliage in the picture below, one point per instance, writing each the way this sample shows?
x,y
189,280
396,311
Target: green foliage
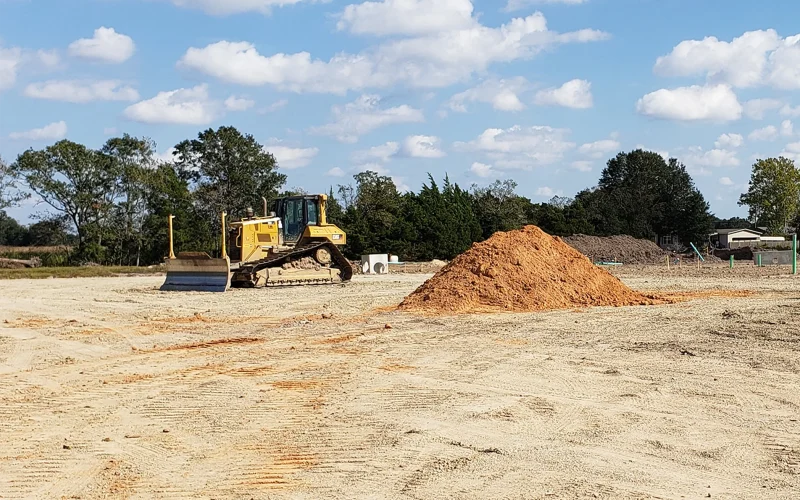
x,y
230,171
498,208
774,194
9,195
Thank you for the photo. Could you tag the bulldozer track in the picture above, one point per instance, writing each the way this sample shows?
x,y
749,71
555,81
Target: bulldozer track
x,y
245,275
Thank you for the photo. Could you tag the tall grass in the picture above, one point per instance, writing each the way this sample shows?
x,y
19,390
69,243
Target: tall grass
x,y
56,256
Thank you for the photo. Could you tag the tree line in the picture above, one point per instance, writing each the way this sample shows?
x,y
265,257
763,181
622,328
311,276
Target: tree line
x,y
111,204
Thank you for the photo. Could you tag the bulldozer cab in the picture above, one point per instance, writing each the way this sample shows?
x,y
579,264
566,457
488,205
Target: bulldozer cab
x,y
297,212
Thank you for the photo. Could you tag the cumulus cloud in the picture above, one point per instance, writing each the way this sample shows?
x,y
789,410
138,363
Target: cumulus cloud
x,y
432,60
482,170
191,106
383,153
81,92
756,58
575,94
788,110
726,181
106,46
696,157
289,157
423,146
769,133
10,60
755,109
787,128
548,192
581,166
51,132
519,147
729,141
275,106
406,17
234,103
503,95
364,115
598,149
335,172
713,103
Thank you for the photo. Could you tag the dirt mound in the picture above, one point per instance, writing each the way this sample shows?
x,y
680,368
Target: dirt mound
x,y
621,248
522,271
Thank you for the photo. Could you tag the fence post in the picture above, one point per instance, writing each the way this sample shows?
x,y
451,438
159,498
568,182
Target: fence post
x,y
794,253
759,260
731,261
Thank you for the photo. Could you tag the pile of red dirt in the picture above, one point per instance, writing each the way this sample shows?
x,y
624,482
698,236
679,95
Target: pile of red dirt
x,y
520,271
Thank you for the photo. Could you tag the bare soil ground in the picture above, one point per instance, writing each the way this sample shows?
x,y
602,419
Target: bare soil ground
x,y
112,389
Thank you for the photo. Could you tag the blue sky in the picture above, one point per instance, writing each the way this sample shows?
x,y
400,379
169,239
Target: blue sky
x,y
539,91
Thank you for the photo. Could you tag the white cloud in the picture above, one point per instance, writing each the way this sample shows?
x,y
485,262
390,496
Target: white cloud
x,y
713,103
383,153
423,146
548,192
518,147
290,157
336,172
52,132
275,106
576,94
228,7
10,60
81,92
696,157
234,103
792,151
769,133
787,128
406,17
182,106
514,5
755,109
110,130
729,141
598,149
374,167
48,58
581,166
482,170
756,58
503,95
364,115
107,46
663,154
726,181
788,110
165,157
459,54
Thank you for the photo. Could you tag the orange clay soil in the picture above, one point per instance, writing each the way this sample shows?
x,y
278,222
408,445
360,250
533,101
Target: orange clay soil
x,y
521,271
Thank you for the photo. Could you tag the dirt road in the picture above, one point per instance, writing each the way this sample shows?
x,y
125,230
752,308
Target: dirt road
x,y
112,389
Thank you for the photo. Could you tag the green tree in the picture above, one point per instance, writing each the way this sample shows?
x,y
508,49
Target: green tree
x,y
9,195
49,232
642,195
12,233
499,208
135,161
335,211
774,194
230,171
75,181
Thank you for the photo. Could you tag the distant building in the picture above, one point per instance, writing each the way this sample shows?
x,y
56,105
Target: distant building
x,y
738,238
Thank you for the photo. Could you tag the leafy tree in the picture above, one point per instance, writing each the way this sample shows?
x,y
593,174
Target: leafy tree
x,y
135,160
9,195
732,223
498,207
11,232
335,211
774,195
641,194
49,232
230,171
75,181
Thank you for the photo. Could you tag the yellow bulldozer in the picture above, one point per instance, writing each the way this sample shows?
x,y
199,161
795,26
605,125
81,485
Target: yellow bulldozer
x,y
292,245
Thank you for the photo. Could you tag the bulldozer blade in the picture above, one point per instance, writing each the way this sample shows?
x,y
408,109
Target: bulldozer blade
x,y
198,272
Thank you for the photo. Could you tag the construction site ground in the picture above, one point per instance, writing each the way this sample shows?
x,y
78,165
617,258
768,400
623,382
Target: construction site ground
x,y
112,389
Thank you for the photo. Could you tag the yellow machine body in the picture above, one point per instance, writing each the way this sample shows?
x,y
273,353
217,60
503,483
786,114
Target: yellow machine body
x,y
293,245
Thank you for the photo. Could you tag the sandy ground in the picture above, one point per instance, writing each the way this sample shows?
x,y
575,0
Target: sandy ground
x,y
112,389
